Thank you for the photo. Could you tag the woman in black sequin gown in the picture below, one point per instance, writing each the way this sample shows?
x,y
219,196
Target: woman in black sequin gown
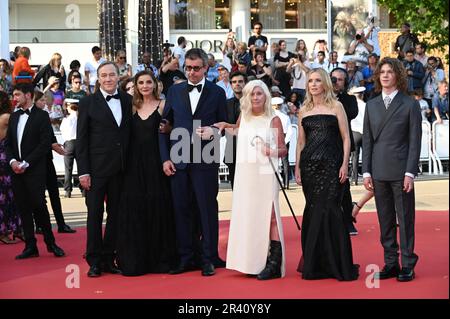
x,y
321,168
146,236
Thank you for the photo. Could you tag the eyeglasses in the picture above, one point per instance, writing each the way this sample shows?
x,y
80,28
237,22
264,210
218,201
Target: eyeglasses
x,y
189,68
237,81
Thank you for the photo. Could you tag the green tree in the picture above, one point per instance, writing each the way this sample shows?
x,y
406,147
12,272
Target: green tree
x,y
428,19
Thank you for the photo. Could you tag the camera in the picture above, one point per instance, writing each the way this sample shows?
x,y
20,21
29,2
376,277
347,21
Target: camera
x,y
167,45
358,37
372,20
333,79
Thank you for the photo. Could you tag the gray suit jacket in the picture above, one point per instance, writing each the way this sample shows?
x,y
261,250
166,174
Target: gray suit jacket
x,y
392,138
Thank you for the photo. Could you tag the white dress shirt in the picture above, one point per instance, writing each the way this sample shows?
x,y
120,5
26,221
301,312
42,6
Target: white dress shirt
x,y
194,95
20,128
114,105
383,96
68,127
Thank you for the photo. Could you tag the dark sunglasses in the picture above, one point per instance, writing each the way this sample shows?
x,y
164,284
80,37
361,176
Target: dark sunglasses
x,y
195,68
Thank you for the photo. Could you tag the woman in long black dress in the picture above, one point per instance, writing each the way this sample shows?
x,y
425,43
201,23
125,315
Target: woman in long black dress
x,y
321,168
146,237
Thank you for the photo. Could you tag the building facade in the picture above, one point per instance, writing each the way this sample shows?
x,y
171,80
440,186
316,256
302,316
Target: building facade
x,y
70,27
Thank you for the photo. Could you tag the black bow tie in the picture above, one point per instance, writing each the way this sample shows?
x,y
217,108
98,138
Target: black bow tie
x,y
115,96
191,87
27,111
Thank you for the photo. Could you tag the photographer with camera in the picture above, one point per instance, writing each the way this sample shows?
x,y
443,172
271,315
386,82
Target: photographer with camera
x,y
170,73
361,47
371,32
405,41
433,75
299,67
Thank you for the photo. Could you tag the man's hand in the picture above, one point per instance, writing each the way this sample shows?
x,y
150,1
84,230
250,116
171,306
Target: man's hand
x,y
85,182
205,133
165,127
169,168
17,168
408,184
58,148
368,184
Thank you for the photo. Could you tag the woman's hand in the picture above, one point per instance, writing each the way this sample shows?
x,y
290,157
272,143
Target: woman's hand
x,y
343,172
221,126
298,178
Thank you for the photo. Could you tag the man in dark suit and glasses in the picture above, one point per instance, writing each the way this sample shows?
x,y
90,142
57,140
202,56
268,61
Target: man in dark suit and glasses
x,y
192,107
391,150
29,139
103,132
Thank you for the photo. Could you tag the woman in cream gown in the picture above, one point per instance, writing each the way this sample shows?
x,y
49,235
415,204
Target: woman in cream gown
x,y
255,242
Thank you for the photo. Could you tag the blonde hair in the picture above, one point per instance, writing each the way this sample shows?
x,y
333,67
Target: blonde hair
x,y
246,99
53,59
328,95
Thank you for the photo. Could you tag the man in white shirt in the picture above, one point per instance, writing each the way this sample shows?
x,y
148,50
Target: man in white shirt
x,y
391,150
90,69
69,134
180,51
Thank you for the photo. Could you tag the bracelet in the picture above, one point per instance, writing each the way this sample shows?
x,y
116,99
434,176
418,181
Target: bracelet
x,y
356,204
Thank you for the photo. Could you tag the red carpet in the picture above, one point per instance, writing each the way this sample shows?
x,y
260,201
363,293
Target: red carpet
x,y
45,276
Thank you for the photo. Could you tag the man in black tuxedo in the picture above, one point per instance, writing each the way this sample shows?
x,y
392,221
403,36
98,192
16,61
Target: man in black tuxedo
x,y
391,151
29,139
103,132
238,81
192,107
339,78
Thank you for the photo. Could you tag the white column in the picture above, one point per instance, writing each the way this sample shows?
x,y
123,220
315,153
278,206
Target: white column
x,y
166,20
240,19
133,28
4,29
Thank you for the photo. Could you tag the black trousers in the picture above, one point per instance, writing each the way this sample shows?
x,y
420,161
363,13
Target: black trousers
x,y
194,193
69,158
51,183
391,202
357,137
101,248
29,195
